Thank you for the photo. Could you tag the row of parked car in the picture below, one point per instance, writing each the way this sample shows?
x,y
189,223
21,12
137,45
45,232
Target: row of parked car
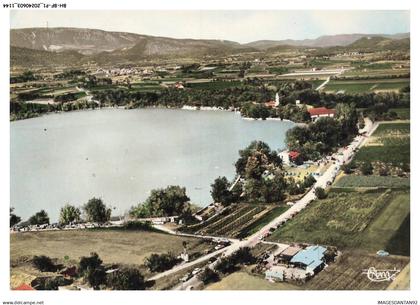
x,y
58,226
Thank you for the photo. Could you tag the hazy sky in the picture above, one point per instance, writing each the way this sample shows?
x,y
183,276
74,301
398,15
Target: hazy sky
x,y
241,26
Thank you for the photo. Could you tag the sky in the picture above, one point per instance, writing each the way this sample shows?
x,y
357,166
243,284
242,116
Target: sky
x,y
240,26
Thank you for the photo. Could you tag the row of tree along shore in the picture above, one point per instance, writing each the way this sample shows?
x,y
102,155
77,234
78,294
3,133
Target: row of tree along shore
x,y
250,96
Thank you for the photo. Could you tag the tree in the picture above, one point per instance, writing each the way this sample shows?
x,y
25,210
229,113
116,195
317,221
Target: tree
x,y
170,201
208,276
39,218
366,168
308,181
69,214
44,263
14,219
96,210
161,262
126,279
273,187
346,168
264,153
243,256
320,193
220,191
294,188
226,265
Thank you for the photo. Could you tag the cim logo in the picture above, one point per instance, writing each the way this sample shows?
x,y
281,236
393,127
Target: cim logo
x,y
384,275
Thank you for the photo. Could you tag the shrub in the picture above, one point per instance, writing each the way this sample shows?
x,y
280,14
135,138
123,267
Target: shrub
x,y
50,283
161,262
226,265
346,168
208,276
366,168
126,279
320,193
95,276
243,256
90,262
44,263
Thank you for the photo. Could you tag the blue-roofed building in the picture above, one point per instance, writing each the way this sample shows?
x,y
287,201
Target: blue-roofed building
x,y
311,259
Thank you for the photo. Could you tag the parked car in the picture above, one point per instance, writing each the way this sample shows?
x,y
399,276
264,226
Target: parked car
x,y
382,253
186,277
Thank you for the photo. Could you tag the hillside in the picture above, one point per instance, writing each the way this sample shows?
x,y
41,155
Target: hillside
x,y
322,41
92,41
380,43
29,57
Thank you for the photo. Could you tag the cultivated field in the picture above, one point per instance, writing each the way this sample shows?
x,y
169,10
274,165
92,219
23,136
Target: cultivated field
x,y
347,272
367,220
257,225
235,219
371,85
354,181
390,143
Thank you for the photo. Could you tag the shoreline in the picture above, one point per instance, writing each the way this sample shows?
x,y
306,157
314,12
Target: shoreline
x,y
185,107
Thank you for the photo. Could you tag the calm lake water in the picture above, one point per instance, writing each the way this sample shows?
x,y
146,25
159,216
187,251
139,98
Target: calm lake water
x,y
120,155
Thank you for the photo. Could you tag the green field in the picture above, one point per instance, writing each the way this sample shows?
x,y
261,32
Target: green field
x,y
215,85
390,144
403,113
393,216
354,181
371,85
348,220
392,129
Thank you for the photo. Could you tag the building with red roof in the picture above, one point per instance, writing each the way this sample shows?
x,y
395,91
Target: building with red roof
x,y
24,287
293,155
321,112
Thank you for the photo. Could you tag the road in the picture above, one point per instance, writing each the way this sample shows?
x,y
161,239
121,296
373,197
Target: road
x,y
323,84
343,155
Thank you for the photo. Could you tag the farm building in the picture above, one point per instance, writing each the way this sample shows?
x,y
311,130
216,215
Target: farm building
x,y
274,275
288,253
321,112
311,259
273,104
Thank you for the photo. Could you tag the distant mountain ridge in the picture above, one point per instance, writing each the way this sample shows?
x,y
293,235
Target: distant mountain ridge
x,y
93,41
322,41
42,46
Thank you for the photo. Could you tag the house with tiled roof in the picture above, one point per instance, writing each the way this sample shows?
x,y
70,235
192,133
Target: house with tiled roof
x,y
320,112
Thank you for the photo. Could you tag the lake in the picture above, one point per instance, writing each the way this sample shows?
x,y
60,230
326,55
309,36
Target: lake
x,y
120,155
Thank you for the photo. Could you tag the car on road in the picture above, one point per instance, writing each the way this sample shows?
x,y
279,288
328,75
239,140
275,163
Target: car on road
x,y
382,253
186,277
196,271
